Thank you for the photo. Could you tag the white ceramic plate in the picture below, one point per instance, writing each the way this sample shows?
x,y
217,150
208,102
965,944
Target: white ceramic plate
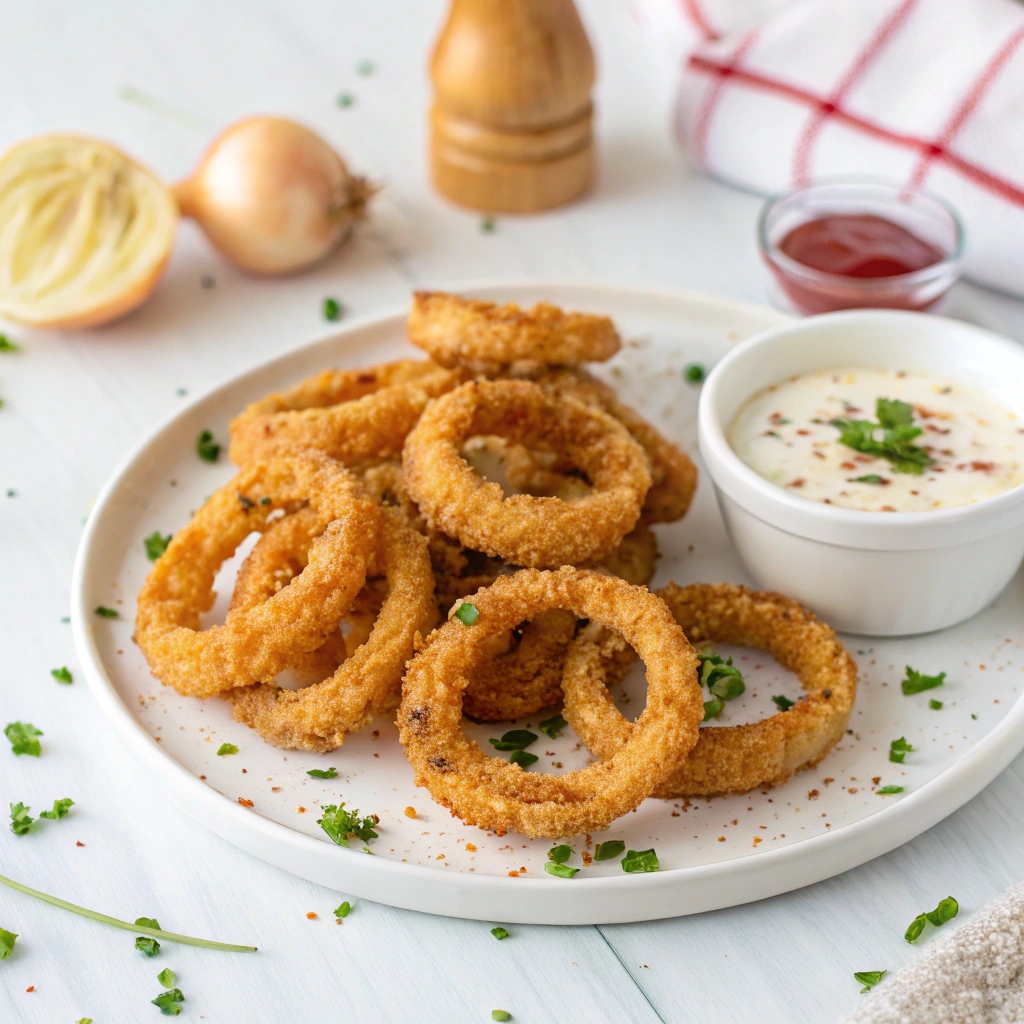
x,y
713,853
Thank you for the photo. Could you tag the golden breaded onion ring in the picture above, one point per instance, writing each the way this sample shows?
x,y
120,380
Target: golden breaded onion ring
x,y
87,232
367,683
355,416
522,529
488,339
255,642
497,794
726,759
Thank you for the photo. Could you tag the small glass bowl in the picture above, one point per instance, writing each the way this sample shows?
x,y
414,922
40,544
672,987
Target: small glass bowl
x,y
811,291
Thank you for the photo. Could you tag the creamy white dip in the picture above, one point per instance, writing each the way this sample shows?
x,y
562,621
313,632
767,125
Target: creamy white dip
x,y
785,434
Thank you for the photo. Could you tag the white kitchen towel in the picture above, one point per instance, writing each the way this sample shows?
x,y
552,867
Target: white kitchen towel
x,y
776,93
974,976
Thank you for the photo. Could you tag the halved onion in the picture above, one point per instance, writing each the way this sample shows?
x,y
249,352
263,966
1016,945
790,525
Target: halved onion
x,y
87,232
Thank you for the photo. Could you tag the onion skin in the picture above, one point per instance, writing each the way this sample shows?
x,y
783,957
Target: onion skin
x,y
273,196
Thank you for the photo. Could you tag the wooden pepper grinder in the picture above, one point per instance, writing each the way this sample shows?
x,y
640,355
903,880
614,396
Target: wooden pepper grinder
x,y
511,120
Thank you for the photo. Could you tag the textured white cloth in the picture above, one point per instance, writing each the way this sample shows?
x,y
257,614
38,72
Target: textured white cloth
x,y
773,93
974,976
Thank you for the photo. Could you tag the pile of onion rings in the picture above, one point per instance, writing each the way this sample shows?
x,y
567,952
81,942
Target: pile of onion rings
x,y
501,479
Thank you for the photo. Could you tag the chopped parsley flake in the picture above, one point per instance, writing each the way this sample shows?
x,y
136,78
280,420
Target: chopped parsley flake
x,y
21,821
559,854
516,739
488,225
226,748
467,613
935,705
60,809
167,978
895,421
782,703
499,933
500,1015
609,850
6,345
640,860
899,749
319,773
365,67
23,738
560,870
6,943
62,674
918,682
553,726
868,979
523,758
888,790
147,945
343,910
333,310
156,544
869,478
695,372
346,99
206,448
169,1002
107,613
342,825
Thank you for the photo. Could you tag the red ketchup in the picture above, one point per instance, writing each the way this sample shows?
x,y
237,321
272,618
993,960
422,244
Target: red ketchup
x,y
859,247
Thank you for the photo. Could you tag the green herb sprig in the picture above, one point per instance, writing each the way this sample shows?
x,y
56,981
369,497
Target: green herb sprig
x,y
342,825
918,682
899,749
23,738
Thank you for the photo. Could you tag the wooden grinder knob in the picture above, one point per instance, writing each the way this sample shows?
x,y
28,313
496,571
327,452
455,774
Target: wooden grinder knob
x,y
511,120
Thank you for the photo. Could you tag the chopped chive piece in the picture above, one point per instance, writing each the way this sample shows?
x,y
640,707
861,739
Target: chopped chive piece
x,y
167,978
713,707
640,860
523,758
945,911
783,703
695,372
609,850
913,932
488,225
206,448
62,674
107,613
716,670
467,613
60,809
499,933
147,945
6,943
169,1002
935,705
333,310
6,345
899,749
156,544
343,909
868,979
888,790
500,1015
917,682
974,717
226,748
342,825
516,739
21,821
320,773
729,687
23,738
559,854
553,726
560,870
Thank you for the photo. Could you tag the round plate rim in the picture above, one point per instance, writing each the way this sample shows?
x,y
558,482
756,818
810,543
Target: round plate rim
x,y
603,900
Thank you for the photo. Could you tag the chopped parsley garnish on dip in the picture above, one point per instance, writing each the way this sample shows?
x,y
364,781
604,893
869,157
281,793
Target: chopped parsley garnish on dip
x,y
918,682
881,440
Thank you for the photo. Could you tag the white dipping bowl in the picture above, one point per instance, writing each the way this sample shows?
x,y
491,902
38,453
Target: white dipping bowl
x,y
876,573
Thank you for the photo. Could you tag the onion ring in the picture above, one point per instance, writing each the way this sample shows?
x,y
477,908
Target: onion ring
x,y
673,474
255,642
496,794
726,759
367,683
522,529
485,338
355,416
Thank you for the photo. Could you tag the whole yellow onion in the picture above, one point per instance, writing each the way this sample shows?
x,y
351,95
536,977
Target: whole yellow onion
x,y
273,196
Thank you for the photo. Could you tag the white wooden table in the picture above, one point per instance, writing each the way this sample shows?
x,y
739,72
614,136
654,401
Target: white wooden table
x,y
74,403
